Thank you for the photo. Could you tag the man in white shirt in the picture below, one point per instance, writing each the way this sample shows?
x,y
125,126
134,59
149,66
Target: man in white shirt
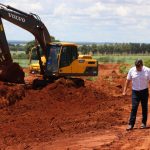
x,y
140,76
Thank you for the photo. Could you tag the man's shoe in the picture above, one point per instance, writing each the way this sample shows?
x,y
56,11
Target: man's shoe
x,y
130,127
143,126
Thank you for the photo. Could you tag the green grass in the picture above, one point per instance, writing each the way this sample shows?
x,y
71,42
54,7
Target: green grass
x,y
17,52
92,78
24,62
124,69
127,59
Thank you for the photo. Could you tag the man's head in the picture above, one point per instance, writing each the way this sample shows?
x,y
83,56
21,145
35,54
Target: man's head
x,y
139,64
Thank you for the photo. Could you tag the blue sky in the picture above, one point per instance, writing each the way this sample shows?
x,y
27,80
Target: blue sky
x,y
87,20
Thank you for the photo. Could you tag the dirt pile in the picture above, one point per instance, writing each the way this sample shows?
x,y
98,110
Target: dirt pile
x,y
62,110
10,93
12,73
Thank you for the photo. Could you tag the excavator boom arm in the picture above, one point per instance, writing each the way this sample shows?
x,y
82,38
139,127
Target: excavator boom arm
x,y
30,22
5,56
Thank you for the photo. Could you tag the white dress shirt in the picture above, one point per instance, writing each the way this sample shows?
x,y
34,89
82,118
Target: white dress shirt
x,y
140,79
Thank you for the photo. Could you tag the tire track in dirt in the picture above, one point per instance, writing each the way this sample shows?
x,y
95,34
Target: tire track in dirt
x,y
134,140
137,138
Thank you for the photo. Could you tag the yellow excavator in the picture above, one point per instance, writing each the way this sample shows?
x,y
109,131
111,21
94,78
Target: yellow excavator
x,y
73,69
34,68
61,58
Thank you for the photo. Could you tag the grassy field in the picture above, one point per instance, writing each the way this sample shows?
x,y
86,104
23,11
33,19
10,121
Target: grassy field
x,y
128,59
17,52
24,62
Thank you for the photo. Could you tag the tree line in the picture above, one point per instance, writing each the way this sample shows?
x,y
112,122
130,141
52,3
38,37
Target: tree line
x,y
116,48
22,51
95,49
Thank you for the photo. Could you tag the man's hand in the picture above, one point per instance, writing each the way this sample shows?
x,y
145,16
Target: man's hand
x,y
124,93
125,87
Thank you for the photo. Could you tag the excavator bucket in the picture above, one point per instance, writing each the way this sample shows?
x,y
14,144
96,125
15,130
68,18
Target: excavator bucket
x,y
12,72
9,71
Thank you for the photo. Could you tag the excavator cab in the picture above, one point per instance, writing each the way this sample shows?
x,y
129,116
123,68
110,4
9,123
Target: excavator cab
x,y
63,60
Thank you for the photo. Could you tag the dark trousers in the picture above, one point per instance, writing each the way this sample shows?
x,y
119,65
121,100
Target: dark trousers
x,y
137,97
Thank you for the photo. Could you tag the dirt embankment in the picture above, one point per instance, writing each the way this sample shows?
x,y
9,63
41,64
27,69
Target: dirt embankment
x,y
62,116
10,93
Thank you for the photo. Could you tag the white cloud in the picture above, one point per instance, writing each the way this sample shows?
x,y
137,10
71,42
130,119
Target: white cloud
x,y
62,10
122,11
36,6
97,7
25,5
84,20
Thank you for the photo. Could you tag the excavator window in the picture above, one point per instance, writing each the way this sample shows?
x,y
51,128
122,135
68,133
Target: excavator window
x,y
68,55
52,61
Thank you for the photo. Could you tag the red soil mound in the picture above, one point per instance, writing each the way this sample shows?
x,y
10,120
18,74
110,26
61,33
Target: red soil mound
x,y
10,93
63,110
12,73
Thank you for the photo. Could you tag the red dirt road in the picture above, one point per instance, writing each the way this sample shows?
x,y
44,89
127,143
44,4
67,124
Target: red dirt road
x,y
62,117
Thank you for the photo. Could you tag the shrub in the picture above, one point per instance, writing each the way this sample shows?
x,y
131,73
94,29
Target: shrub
x,y
123,69
19,56
147,63
106,59
92,78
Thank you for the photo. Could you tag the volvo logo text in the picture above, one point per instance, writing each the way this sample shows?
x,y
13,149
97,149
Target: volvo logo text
x,y
16,17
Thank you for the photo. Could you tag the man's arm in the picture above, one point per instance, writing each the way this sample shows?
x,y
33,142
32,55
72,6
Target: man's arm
x,y
126,86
